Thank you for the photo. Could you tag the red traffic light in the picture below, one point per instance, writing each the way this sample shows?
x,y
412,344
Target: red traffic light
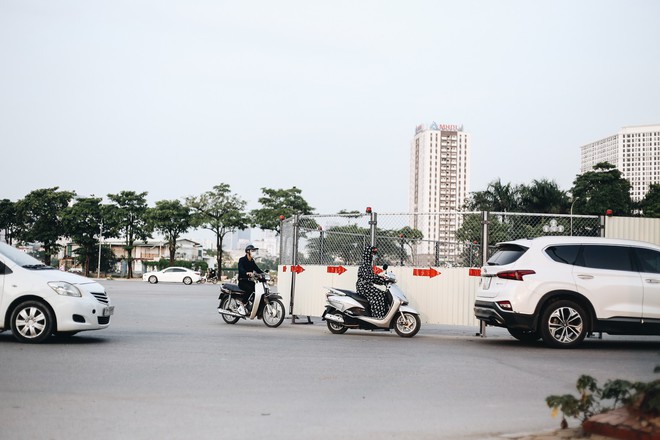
x,y
368,209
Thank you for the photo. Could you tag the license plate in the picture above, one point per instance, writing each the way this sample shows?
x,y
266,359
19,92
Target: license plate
x,y
108,311
485,282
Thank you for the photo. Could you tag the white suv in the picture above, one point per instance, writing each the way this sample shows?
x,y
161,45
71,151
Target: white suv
x,y
37,300
562,288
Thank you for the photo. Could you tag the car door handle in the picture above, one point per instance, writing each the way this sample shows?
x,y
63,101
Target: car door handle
x,y
653,280
585,276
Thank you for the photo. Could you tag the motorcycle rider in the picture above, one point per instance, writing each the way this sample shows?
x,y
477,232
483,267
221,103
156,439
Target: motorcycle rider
x,y
211,274
246,269
365,284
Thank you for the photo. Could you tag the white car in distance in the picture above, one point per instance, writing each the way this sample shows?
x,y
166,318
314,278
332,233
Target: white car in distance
x,y
172,274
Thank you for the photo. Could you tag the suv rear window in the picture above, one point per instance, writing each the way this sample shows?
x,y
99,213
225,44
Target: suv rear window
x,y
566,254
506,254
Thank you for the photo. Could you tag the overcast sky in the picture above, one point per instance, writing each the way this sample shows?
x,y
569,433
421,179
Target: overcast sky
x,y
173,97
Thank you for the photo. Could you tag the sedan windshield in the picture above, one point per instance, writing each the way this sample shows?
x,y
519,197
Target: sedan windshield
x,y
21,258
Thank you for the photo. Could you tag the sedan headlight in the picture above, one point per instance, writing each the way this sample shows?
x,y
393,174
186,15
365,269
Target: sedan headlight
x,y
64,288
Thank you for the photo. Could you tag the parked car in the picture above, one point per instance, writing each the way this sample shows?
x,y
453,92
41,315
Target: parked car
x,y
38,300
561,289
172,275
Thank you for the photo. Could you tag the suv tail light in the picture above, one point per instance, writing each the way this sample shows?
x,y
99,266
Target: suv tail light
x,y
516,275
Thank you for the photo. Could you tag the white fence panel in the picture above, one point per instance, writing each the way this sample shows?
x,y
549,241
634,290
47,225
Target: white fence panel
x,y
447,298
633,228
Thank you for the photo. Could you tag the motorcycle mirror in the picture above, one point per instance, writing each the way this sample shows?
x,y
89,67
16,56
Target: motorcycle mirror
x,y
385,266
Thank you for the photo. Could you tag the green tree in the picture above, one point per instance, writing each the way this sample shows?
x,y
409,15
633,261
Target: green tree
x,y
594,192
497,197
279,202
8,219
218,211
396,246
543,196
170,218
343,243
82,223
130,214
39,218
650,204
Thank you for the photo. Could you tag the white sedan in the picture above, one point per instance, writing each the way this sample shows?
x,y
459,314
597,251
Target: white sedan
x,y
172,275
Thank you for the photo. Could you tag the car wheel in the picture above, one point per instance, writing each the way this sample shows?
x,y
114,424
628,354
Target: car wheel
x,y
32,322
524,335
153,279
564,324
187,281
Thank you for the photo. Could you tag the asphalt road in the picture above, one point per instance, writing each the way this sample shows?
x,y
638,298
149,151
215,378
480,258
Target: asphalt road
x,y
168,367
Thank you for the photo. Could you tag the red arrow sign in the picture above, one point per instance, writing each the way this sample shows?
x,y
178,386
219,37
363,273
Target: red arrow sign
x,y
336,269
430,272
475,272
297,269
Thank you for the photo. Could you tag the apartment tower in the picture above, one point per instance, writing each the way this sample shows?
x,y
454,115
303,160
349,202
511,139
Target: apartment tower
x,y
634,150
439,180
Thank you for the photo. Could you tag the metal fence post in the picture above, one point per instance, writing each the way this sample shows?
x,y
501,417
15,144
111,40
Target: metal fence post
x,y
294,261
372,223
281,238
484,259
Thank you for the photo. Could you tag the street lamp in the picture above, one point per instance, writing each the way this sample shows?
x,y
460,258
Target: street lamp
x,y
574,200
572,214
98,263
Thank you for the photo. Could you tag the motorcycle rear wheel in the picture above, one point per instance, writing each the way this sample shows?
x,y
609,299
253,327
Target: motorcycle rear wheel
x,y
407,324
229,304
273,313
335,327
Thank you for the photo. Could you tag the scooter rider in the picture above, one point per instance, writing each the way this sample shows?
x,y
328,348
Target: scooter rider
x,y
365,284
246,268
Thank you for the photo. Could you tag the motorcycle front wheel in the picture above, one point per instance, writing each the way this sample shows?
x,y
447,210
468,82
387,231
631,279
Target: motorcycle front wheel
x,y
407,324
229,304
273,313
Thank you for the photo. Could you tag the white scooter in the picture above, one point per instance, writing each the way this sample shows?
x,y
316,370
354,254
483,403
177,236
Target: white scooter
x,y
262,304
346,309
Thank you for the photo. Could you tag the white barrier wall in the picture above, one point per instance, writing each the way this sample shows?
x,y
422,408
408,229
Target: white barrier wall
x,y
447,298
633,228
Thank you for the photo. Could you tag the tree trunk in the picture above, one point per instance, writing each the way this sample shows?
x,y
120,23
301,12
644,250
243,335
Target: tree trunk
x,y
172,246
218,244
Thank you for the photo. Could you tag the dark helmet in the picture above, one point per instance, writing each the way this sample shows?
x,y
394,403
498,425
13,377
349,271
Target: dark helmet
x,y
250,248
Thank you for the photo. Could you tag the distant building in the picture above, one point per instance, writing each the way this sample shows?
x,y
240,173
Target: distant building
x,y
634,150
439,181
145,255
439,170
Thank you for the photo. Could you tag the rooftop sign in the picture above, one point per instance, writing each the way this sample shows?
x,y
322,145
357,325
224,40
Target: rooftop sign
x,y
440,127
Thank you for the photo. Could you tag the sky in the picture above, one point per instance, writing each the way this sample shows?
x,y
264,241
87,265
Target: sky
x,y
174,97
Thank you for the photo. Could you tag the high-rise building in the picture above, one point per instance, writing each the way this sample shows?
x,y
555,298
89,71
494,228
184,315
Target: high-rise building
x,y
634,150
439,179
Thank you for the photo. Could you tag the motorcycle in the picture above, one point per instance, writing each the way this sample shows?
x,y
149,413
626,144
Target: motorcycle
x,y
346,309
262,303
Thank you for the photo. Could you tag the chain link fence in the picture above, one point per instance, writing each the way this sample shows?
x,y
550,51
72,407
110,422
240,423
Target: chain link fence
x,y
441,239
